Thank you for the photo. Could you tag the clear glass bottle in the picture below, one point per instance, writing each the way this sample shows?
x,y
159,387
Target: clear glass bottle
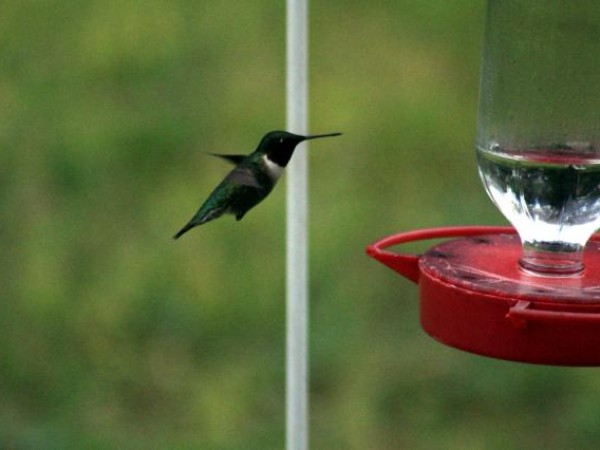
x,y
538,137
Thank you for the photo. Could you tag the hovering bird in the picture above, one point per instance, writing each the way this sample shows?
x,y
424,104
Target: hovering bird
x,y
253,177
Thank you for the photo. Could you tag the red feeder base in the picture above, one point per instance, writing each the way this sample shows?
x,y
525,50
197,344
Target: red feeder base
x,y
475,297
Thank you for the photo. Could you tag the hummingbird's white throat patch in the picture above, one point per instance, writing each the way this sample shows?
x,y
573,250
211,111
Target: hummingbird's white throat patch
x,y
273,169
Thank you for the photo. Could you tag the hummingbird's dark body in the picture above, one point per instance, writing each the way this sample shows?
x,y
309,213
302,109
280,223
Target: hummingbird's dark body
x,y
251,180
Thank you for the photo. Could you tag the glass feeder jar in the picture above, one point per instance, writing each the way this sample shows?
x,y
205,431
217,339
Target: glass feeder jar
x,y
538,137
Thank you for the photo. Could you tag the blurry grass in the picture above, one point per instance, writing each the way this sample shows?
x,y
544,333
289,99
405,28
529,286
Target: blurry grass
x,y
114,336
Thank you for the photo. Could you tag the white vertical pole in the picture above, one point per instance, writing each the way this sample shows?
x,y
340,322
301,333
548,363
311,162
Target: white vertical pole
x,y
297,239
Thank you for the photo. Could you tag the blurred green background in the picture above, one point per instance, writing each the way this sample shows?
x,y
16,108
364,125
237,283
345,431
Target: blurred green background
x,y
115,336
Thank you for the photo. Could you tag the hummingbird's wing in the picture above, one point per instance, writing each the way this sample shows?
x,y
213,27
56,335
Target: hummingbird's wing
x,y
233,159
243,176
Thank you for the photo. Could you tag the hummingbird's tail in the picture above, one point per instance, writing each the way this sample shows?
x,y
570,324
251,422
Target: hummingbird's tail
x,y
202,216
185,229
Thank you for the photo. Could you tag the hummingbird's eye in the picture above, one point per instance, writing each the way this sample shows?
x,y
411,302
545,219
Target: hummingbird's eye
x,y
281,140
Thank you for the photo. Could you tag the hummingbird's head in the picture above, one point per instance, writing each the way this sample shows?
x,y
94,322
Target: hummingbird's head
x,y
279,146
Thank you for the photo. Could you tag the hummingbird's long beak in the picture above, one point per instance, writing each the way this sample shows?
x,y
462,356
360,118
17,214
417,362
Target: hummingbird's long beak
x,y
315,136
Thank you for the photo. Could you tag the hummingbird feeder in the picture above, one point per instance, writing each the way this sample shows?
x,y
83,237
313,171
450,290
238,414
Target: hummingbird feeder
x,y
530,292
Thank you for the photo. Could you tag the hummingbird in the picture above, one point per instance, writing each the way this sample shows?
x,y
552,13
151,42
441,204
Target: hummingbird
x,y
252,179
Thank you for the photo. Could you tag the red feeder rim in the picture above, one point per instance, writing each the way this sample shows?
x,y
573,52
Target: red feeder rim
x,y
474,296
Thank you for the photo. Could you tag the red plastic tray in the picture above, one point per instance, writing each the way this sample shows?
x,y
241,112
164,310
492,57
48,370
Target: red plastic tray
x,y
474,296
